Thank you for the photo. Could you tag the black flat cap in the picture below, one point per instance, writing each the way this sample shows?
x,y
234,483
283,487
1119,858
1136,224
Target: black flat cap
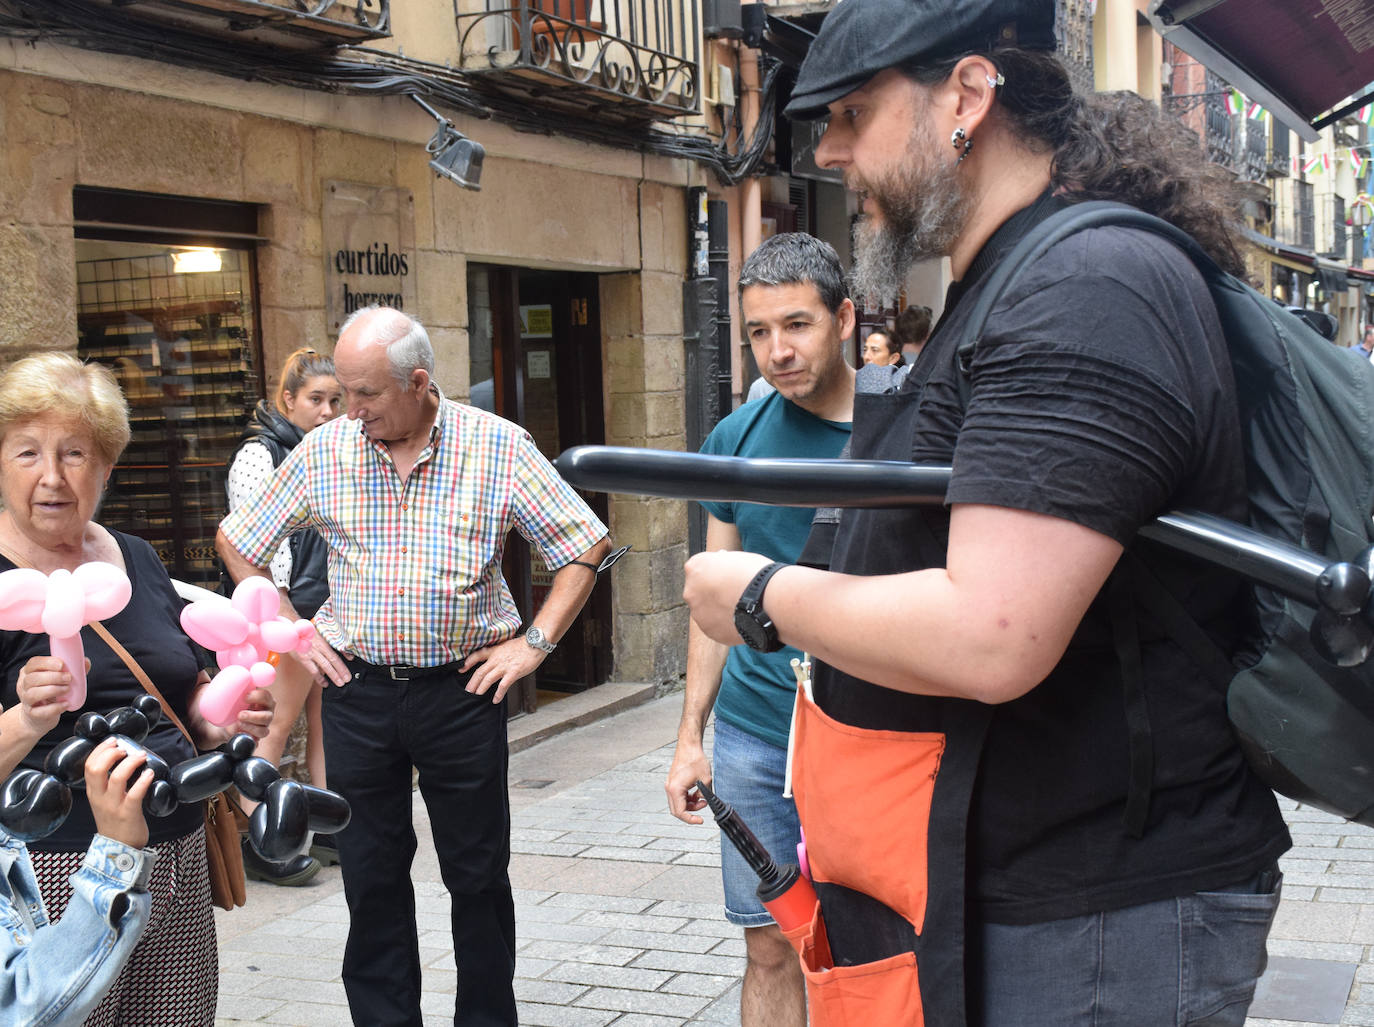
x,y
860,38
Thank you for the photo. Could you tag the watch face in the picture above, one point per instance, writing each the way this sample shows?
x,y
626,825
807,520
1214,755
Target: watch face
x,y
754,634
534,637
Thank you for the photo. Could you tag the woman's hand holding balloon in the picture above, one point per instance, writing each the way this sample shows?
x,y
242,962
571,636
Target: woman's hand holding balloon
x,y
43,686
246,635
256,717
59,604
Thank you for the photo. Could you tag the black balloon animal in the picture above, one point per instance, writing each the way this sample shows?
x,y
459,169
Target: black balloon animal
x,y
34,803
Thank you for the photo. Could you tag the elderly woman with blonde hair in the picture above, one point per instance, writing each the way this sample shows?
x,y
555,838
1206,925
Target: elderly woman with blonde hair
x,y
63,426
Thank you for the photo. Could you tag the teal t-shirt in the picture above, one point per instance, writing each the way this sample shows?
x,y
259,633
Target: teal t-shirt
x,y
757,689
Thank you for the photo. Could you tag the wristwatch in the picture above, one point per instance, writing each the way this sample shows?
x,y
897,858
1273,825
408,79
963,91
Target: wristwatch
x,y
752,623
535,639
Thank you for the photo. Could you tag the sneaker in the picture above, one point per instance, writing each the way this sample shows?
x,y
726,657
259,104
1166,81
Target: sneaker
x,y
325,848
289,873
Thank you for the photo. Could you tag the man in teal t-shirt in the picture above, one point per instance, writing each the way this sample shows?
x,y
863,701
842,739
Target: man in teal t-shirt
x,y
796,319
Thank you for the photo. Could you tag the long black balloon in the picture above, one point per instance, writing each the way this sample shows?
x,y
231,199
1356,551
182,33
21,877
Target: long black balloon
x,y
33,804
1285,568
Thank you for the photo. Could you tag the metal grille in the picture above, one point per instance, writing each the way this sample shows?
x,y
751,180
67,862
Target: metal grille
x,y
180,345
633,59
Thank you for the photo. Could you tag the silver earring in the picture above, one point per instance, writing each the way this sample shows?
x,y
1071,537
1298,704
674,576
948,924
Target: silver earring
x,y
993,83
959,138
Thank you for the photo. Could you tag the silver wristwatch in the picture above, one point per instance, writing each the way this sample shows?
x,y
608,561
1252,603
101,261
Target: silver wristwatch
x,y
535,639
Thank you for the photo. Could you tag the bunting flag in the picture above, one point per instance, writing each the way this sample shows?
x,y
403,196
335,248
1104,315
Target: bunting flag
x,y
1357,161
1235,103
1255,111
1311,164
1294,165
1365,115
1326,160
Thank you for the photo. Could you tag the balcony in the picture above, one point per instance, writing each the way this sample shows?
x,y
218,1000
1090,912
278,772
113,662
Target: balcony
x,y
1252,153
622,60
1333,216
287,24
1280,162
1073,27
1295,213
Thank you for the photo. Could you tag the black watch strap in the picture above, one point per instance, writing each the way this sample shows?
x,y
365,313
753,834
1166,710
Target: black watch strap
x,y
752,623
753,592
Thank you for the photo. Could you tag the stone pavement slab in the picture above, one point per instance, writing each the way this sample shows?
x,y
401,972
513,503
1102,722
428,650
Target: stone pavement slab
x,y
618,917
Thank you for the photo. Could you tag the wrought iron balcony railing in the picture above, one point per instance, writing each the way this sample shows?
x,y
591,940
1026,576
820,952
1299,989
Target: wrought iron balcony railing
x,y
1279,153
293,24
1337,245
1220,131
625,59
1295,213
1252,154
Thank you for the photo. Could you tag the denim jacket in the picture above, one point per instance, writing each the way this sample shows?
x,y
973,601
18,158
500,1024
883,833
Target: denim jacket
x,y
54,974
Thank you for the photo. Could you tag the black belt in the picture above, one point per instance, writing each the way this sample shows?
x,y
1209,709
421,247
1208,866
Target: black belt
x,y
401,671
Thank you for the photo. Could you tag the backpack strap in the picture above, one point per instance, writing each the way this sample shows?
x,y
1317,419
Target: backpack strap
x,y
1139,740
1178,623
1131,583
1058,226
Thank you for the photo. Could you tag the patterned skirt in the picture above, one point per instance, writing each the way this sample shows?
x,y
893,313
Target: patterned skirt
x,y
172,979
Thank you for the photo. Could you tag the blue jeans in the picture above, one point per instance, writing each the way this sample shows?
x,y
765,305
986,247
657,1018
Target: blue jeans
x,y
1188,962
748,773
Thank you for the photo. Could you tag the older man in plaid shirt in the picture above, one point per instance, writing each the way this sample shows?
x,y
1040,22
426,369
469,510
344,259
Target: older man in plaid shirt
x,y
420,639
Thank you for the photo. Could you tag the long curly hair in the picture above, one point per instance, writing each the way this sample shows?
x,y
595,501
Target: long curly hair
x,y
1113,146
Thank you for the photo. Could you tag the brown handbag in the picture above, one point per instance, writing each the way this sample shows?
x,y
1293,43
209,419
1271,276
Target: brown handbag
x,y
223,849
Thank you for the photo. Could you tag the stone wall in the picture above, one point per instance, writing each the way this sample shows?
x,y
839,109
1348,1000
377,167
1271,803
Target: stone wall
x,y
544,203
642,327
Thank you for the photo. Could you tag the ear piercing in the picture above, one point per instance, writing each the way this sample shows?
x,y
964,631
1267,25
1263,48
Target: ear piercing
x,y
993,83
959,138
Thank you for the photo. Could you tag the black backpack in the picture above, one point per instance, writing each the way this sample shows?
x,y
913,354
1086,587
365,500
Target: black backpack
x,y
1305,723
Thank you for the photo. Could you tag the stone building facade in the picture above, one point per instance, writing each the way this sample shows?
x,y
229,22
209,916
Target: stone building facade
x,y
600,227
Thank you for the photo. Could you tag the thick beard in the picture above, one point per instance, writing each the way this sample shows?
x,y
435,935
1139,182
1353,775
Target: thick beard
x,y
924,209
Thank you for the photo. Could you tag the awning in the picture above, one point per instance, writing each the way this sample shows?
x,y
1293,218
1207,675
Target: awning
x,y
1297,253
1331,276
1297,58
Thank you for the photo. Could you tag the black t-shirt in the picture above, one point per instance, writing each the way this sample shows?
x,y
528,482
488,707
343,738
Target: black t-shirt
x,y
149,628
1101,393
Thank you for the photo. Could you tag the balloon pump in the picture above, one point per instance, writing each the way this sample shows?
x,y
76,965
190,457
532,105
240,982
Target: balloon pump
x,y
784,891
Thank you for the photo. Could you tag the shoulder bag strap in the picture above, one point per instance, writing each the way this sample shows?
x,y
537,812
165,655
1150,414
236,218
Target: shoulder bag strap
x,y
143,678
122,653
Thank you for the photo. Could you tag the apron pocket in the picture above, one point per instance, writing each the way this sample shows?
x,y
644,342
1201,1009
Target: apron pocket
x,y
886,992
864,800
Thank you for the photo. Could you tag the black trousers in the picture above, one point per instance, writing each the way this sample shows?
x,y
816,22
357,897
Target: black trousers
x,y
374,730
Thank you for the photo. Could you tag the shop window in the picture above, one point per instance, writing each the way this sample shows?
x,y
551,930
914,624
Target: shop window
x,y
166,298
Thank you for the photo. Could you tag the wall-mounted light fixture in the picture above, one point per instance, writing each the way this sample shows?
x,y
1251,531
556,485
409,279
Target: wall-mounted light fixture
x,y
455,156
195,260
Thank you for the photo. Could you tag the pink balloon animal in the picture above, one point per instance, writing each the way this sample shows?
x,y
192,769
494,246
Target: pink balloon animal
x,y
246,634
60,603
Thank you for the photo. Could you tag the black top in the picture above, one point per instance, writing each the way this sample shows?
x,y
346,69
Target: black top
x,y
149,629
309,555
1101,393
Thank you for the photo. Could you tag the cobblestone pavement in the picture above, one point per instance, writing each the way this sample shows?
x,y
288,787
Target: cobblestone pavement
x,y
618,907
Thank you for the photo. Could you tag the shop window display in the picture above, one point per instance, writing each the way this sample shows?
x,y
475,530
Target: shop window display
x,y
176,324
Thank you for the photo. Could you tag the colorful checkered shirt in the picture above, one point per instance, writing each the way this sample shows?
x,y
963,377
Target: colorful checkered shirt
x,y
415,567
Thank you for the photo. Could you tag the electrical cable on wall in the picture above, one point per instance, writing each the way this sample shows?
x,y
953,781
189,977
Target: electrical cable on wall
x,y
370,72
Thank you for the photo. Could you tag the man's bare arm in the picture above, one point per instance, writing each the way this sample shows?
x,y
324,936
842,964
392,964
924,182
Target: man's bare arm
x,y
705,666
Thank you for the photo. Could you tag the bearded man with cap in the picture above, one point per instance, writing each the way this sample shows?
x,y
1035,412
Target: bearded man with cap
x,y
1006,823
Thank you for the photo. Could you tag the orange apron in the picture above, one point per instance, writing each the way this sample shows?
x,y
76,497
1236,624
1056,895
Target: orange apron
x,y
865,799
